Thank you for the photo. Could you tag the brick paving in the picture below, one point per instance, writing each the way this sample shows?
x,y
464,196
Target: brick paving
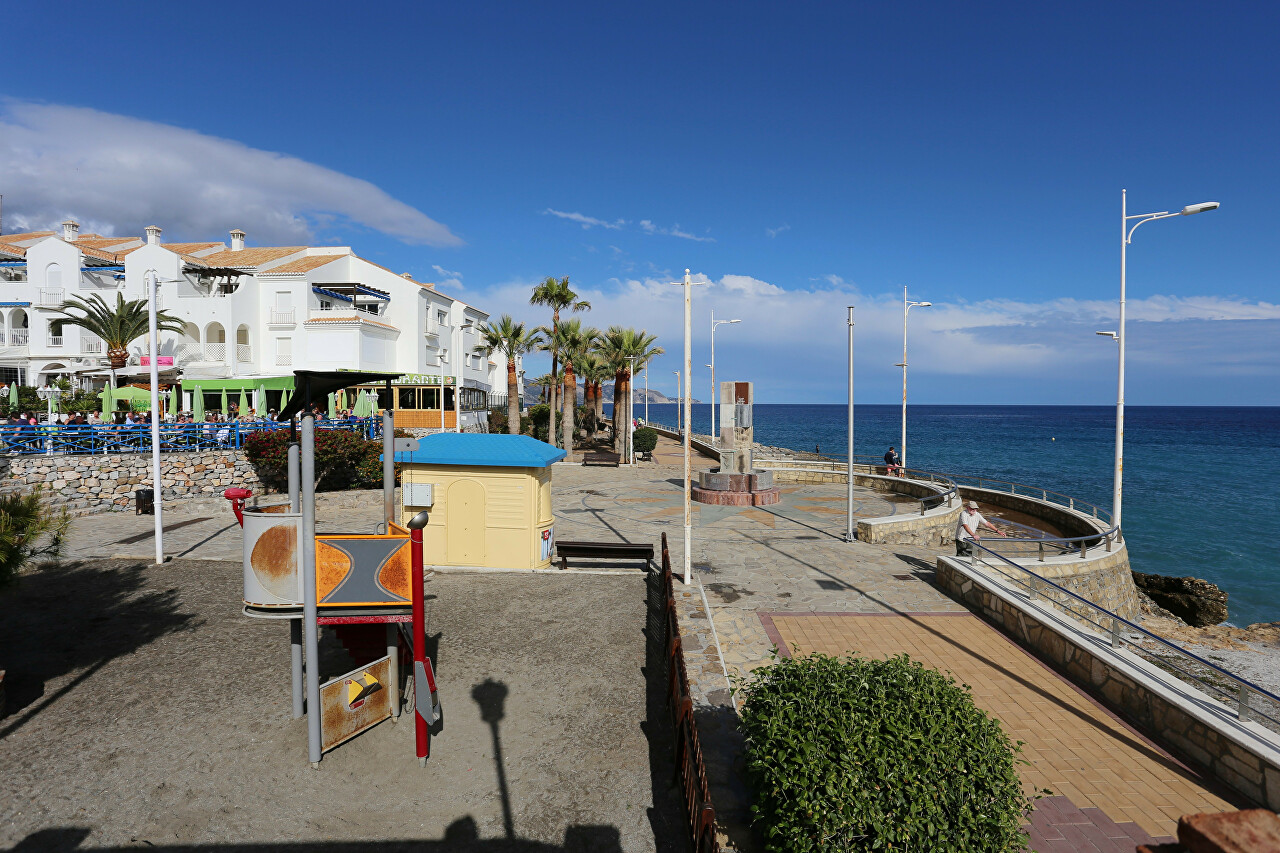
x,y
1075,748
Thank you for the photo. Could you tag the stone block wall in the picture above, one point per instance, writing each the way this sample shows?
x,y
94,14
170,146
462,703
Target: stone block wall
x,y
89,484
1247,771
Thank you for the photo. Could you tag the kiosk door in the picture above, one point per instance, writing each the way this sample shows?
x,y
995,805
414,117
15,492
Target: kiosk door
x,y
464,523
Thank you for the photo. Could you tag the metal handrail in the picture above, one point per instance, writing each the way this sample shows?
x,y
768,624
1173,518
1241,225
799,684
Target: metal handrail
x,y
47,439
1065,544
946,496
1243,688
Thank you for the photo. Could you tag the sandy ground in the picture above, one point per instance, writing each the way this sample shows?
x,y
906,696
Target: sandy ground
x,y
145,710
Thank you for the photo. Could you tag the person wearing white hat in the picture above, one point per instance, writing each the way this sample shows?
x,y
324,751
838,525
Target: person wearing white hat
x,y
971,521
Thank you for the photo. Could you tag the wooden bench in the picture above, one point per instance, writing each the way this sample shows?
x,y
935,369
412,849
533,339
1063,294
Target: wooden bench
x,y
604,551
601,457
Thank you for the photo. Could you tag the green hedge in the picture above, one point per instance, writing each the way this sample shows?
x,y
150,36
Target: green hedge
x,y
856,754
645,439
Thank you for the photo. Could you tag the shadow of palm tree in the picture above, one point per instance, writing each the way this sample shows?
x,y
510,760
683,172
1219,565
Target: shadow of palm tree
x,y
76,618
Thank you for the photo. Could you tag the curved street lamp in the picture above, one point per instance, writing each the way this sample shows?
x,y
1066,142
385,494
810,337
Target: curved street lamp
x,y
715,393
906,307
1126,237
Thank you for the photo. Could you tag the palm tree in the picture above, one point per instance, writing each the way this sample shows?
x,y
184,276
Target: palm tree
x,y
509,338
617,347
571,342
557,295
117,326
594,370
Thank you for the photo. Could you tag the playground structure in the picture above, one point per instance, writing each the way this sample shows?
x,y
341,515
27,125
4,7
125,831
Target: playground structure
x,y
353,582
737,482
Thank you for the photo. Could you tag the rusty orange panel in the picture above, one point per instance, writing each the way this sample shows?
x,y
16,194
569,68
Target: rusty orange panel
x,y
331,567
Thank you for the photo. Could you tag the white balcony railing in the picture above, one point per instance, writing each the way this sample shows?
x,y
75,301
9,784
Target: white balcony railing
x,y
55,340
190,352
51,298
244,353
282,318
284,359
90,346
335,312
19,337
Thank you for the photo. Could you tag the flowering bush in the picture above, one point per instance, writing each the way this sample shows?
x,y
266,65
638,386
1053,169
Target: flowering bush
x,y
344,459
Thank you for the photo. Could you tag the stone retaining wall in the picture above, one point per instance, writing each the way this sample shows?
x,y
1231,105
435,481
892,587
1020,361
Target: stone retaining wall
x,y
89,484
1246,760
1071,522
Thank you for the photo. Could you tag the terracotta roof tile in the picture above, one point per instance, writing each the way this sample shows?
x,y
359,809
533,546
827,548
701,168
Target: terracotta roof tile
x,y
191,248
304,264
95,242
251,257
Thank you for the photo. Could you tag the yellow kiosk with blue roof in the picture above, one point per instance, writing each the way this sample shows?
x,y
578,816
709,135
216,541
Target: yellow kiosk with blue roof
x,y
488,497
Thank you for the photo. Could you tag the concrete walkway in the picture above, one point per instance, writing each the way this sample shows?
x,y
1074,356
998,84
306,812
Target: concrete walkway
x,y
760,574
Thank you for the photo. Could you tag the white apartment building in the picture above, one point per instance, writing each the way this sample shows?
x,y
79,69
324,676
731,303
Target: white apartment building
x,y
251,315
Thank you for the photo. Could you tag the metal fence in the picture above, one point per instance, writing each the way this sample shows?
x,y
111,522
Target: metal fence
x,y
1250,700
136,438
690,768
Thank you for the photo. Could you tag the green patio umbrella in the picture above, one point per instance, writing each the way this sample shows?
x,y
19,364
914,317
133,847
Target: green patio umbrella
x,y
333,407
108,399
13,394
261,403
197,404
284,398
224,402
244,404
362,404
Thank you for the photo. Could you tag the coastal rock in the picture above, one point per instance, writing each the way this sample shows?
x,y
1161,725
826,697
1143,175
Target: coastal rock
x,y
1194,601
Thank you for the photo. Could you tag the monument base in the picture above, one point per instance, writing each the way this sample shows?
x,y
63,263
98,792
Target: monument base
x,y
716,497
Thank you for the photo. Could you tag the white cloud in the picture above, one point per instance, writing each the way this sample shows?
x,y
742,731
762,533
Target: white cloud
x,y
116,174
584,220
447,278
791,342
673,231
774,232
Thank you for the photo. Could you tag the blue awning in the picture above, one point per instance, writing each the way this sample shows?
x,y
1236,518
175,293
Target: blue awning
x,y
15,304
331,294
376,294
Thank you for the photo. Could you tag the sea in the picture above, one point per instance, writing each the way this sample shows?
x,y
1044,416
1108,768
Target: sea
x,y
1201,484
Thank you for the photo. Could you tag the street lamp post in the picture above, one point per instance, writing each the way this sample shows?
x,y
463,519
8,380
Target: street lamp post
x,y
848,527
631,398
1126,237
52,394
686,402
646,395
715,394
678,398
906,307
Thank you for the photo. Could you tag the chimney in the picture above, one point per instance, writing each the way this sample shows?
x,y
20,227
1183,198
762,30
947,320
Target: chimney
x,y
153,235
70,229
237,240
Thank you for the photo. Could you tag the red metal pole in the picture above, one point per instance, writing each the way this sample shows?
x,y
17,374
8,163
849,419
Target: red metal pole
x,y
420,663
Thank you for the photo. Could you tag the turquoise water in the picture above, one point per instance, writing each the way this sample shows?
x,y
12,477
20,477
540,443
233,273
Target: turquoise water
x,y
1201,486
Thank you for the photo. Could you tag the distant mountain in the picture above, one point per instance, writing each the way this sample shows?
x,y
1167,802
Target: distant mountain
x,y
534,395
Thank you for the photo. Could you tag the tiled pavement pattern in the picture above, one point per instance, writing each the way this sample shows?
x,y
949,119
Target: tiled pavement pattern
x,y
785,558
1076,748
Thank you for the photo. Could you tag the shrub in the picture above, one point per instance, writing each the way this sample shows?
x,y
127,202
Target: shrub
x,y
29,530
646,440
856,754
344,459
498,420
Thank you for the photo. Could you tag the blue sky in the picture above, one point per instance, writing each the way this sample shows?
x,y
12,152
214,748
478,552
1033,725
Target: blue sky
x,y
797,159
